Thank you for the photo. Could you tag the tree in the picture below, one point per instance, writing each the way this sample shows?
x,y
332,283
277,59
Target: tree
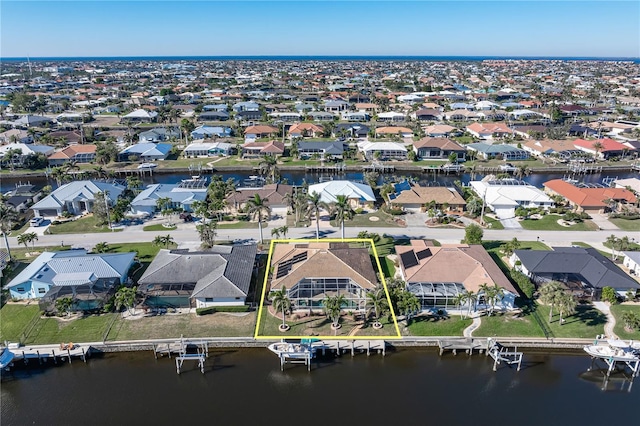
x,y
8,219
187,127
257,208
100,207
509,247
32,237
550,294
597,147
24,240
332,306
342,211
407,304
611,241
101,247
281,303
453,158
164,204
470,298
208,232
126,297
609,295
566,305
269,167
377,304
473,234
630,320
314,210
64,305
458,301
163,240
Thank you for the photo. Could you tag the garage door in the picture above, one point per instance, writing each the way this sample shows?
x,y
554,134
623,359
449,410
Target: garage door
x,y
51,212
505,213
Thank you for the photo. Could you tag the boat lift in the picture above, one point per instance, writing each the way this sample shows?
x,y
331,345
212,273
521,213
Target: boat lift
x,y
501,354
200,356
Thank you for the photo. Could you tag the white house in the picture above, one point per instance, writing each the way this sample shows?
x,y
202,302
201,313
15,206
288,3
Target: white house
x,y
181,195
76,197
632,261
383,150
506,195
358,194
207,149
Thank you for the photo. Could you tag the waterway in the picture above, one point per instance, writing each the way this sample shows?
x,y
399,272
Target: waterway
x,y
298,177
246,387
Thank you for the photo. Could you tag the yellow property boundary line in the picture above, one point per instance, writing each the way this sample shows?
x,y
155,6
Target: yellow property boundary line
x,y
325,240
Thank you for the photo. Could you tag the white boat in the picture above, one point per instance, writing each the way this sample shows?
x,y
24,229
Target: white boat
x,y
147,166
6,357
615,350
291,350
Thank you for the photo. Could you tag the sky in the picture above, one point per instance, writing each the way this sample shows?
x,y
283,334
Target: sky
x,y
217,28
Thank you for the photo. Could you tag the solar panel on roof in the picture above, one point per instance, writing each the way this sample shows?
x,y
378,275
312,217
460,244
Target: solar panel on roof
x,y
283,269
409,259
422,254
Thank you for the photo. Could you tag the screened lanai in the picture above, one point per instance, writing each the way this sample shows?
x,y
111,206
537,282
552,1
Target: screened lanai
x,y
436,295
310,292
85,297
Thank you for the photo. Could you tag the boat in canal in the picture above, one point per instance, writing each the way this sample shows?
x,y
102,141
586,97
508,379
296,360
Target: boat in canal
x,y
615,350
6,358
291,350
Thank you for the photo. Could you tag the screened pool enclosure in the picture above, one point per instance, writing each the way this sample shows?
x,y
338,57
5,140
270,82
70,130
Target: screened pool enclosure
x,y
436,295
310,292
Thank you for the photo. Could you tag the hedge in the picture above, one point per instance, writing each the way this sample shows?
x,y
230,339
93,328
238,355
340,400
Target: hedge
x,y
213,309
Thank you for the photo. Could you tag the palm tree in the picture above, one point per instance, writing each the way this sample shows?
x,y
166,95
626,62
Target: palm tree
x,y
597,146
163,240
269,167
342,211
458,301
164,205
257,208
283,230
470,298
281,303
497,296
332,307
24,240
125,296
486,291
32,237
550,294
376,303
101,247
566,305
315,204
630,321
275,232
8,218
612,241
408,304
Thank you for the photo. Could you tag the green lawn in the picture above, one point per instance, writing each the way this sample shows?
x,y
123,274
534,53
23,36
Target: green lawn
x,y
381,219
158,227
241,224
20,253
53,330
617,311
586,323
14,318
388,268
550,223
85,225
493,223
507,325
20,230
580,244
430,326
626,224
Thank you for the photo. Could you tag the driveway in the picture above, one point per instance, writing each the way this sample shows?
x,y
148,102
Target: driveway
x,y
602,220
511,223
415,219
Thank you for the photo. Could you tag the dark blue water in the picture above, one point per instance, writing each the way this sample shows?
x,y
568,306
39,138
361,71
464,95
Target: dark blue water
x,y
246,387
317,58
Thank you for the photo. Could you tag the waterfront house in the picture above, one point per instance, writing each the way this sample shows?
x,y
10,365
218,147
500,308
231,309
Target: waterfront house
x,y
252,149
609,148
564,149
213,116
414,197
589,200
438,148
460,115
631,260
323,149
87,278
583,271
391,117
73,153
159,134
140,116
352,130
305,130
203,132
489,130
219,276
260,131
207,149
427,114
275,193
303,269
500,151
182,196
145,152
387,131
15,135
25,150
504,196
428,273
382,150
247,116
359,195
76,198
440,130
27,121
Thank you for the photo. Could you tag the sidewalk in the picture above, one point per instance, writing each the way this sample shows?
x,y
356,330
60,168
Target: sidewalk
x,y
611,320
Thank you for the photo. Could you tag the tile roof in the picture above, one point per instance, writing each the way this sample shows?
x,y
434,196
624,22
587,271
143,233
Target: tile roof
x,y
424,194
588,197
442,143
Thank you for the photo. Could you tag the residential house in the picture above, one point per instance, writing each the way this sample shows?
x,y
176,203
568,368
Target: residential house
x,y
359,195
321,116
563,149
15,136
305,130
589,200
501,151
208,149
68,137
276,194
302,268
246,106
631,261
440,131
414,198
249,115
506,195
583,271
76,197
87,278
73,153
159,134
609,148
323,149
260,149
352,130
204,131
358,116
438,148
219,276
32,121
25,151
403,132
489,130
426,114
391,117
215,107
429,275
140,116
631,183
213,116
461,115
335,105
260,131
382,150
286,116
182,196
145,152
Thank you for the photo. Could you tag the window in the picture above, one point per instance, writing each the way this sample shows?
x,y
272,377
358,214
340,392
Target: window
x,y
42,290
20,289
208,299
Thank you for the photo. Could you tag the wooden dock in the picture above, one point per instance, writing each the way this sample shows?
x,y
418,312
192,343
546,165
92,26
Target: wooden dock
x,y
466,344
380,168
345,346
336,168
43,353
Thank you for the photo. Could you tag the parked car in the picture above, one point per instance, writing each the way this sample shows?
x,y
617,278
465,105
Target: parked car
x,y
36,221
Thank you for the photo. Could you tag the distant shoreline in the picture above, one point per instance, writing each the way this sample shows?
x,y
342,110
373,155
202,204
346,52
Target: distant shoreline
x,y
428,58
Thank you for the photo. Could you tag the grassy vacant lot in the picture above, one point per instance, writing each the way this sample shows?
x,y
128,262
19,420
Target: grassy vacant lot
x,y
431,326
85,225
617,311
626,224
55,330
586,323
550,223
509,325
219,324
14,317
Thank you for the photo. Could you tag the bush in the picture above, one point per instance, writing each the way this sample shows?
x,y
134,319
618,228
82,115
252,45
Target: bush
x,y
609,295
523,282
393,211
214,309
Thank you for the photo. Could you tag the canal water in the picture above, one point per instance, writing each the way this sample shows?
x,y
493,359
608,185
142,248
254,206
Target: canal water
x,y
246,387
298,177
